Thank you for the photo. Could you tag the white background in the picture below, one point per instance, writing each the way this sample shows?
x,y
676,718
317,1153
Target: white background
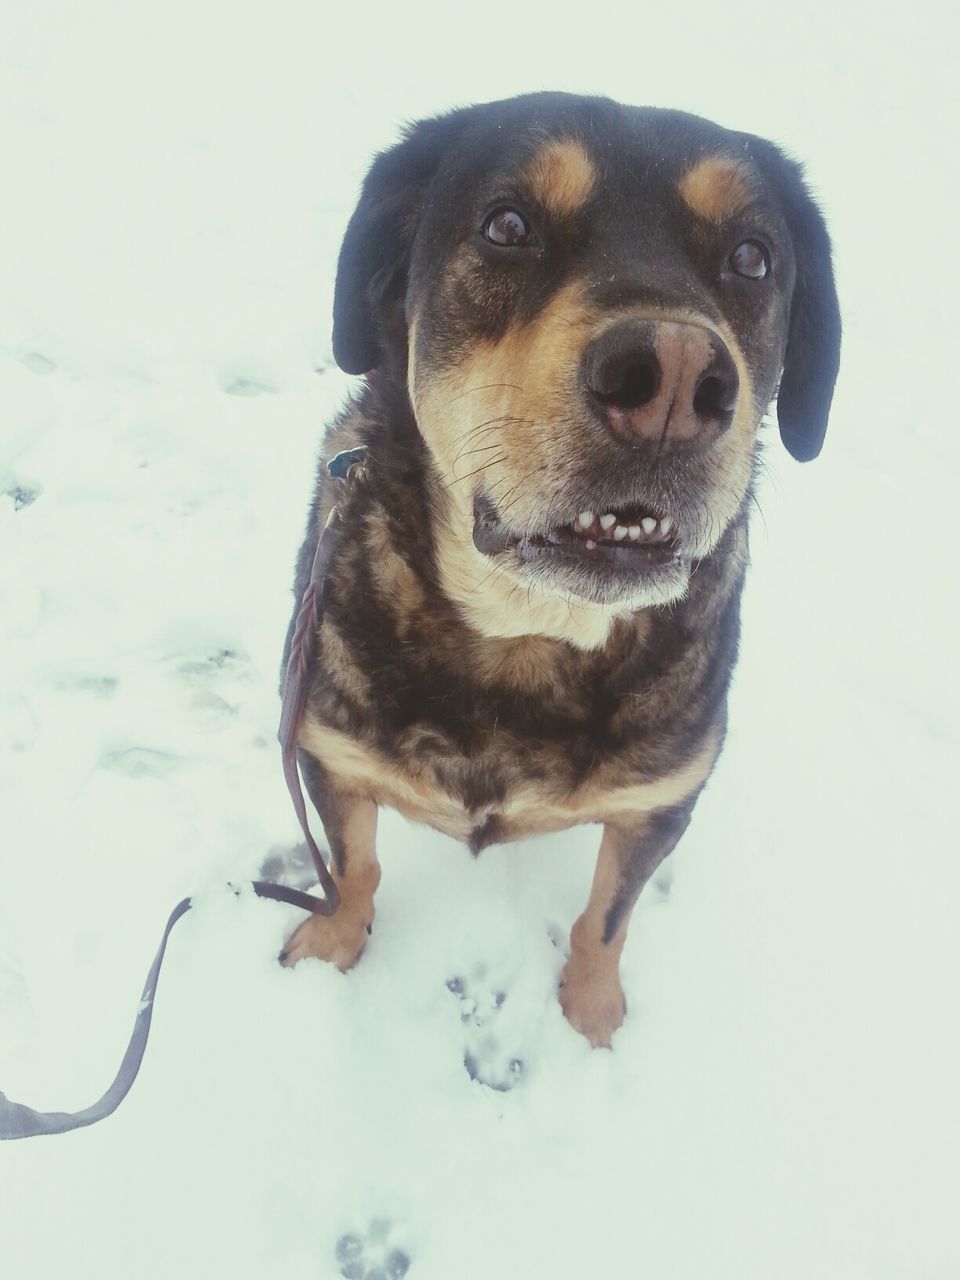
x,y
781,1102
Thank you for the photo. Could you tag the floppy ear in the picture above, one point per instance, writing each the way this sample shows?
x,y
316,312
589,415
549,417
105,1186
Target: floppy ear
x,y
812,356
373,262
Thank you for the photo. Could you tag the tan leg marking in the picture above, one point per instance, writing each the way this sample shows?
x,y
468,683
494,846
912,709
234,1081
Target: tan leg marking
x,y
340,938
590,992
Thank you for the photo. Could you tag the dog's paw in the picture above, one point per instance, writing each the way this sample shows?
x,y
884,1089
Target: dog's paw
x,y
485,1059
592,1002
339,939
371,1255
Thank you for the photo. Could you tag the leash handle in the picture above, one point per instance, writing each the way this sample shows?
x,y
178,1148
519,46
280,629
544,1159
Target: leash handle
x,y
20,1121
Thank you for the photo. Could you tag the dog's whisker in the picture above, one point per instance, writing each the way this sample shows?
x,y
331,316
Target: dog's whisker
x,y
503,509
491,424
492,463
487,386
498,570
483,448
480,431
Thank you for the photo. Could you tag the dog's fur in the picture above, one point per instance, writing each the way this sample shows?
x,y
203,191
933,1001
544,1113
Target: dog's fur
x,y
481,668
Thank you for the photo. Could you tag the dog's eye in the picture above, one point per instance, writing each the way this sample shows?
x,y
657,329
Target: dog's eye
x,y
507,228
750,259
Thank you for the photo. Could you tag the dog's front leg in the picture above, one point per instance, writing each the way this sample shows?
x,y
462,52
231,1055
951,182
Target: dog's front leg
x,y
350,823
590,992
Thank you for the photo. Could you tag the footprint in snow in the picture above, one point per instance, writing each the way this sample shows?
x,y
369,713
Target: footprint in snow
x,y
22,495
663,882
371,1255
290,865
485,1059
98,686
248,387
202,670
140,762
37,363
213,684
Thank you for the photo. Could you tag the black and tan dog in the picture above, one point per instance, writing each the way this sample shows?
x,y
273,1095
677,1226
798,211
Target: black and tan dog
x,y
573,316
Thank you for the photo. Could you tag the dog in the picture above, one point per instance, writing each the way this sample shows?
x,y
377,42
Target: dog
x,y
572,317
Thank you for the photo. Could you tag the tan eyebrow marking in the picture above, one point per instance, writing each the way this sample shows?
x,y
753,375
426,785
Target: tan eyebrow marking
x,y
717,187
561,175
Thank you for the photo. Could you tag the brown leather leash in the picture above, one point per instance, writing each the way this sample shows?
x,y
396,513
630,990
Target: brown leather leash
x,y
346,466
20,1121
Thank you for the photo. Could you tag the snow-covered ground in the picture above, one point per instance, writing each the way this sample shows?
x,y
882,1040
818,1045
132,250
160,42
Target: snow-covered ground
x,y
782,1101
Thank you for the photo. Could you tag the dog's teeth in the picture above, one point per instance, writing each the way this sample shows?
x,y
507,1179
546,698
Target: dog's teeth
x,y
649,524
585,519
591,545
634,532
619,533
666,524
607,522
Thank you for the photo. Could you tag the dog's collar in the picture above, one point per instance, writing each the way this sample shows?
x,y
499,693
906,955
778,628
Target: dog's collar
x,y
341,464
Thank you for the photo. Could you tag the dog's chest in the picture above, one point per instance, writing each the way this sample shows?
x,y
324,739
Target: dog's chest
x,y
491,740
504,792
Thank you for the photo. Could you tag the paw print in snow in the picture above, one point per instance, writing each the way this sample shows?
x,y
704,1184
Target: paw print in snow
x,y
291,865
206,669
370,1256
21,495
484,1058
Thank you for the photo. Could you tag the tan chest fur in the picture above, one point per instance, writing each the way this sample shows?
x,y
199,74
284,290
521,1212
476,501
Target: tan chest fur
x,y
528,807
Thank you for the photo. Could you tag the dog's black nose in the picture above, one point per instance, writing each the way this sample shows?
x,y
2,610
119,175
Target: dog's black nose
x,y
665,383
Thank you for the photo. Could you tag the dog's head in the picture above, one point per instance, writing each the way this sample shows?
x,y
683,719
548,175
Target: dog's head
x,y
592,307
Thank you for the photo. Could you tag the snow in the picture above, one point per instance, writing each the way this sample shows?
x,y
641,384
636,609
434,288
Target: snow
x,y
781,1100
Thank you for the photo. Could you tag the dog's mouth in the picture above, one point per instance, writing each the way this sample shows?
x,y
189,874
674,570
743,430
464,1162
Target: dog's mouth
x,y
635,528
595,554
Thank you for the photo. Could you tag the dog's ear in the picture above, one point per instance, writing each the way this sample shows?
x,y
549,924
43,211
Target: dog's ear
x,y
812,355
373,262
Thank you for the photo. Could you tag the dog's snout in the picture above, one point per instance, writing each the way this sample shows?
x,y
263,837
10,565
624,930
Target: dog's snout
x,y
667,383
